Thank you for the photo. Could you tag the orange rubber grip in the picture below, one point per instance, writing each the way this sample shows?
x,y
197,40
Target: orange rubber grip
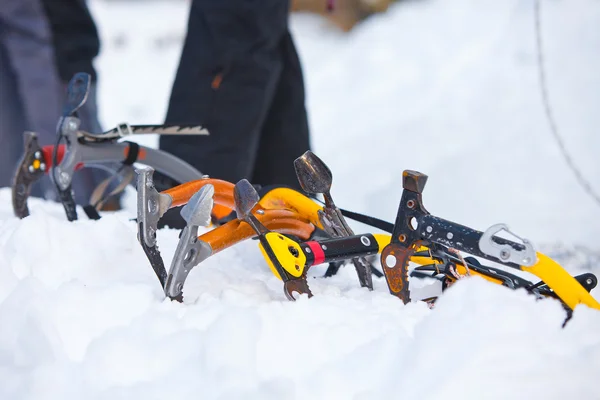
x,y
235,231
183,193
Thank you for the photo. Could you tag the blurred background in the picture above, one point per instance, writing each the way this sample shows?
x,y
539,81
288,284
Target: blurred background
x,y
449,88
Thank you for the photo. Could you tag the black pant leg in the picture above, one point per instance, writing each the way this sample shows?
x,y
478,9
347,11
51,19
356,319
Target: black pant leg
x,y
226,81
285,134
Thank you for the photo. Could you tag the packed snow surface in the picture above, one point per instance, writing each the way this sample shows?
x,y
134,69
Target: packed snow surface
x,y
447,88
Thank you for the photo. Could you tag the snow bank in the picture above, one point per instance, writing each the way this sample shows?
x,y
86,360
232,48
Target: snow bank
x,y
83,317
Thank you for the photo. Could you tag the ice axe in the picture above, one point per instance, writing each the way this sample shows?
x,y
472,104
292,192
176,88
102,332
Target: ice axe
x,y
77,93
30,168
315,177
283,255
190,250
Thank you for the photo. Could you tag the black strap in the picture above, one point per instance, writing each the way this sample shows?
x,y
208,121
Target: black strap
x,y
372,221
101,195
132,154
91,212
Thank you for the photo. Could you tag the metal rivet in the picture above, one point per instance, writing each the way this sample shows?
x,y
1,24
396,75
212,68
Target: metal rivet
x,y
37,155
365,240
324,247
504,254
64,178
410,204
261,212
31,169
390,261
307,250
43,166
402,238
589,281
429,229
449,235
152,206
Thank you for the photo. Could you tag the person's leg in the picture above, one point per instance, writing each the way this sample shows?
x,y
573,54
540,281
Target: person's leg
x,y
285,134
28,43
30,56
226,81
34,86
12,121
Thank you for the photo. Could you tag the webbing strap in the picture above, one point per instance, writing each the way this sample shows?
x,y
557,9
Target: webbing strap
x,y
372,221
100,195
132,154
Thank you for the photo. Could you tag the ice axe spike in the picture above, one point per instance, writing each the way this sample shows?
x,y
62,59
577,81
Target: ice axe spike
x,y
77,93
198,209
315,177
150,207
31,167
190,250
246,198
313,174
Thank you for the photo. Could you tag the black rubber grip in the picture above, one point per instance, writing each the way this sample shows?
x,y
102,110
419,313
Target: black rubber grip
x,y
337,249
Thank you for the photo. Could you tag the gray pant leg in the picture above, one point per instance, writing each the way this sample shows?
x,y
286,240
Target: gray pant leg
x,y
12,120
29,86
33,86
28,42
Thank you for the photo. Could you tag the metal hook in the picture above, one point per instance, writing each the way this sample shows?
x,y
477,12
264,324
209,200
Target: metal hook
x,y
506,252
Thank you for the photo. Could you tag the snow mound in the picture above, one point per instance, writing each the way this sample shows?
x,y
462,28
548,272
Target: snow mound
x,y
83,316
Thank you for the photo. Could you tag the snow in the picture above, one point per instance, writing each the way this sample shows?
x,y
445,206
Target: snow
x,y
447,88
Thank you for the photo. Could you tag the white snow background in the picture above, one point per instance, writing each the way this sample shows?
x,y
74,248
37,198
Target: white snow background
x,y
447,88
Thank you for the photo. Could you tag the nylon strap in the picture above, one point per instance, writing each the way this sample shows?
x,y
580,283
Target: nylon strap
x,y
132,154
372,221
100,196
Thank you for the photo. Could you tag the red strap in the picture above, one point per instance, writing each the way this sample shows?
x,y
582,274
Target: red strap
x,y
317,251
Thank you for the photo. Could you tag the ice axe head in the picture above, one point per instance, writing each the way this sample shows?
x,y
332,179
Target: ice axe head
x,y
313,174
197,211
77,93
245,197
